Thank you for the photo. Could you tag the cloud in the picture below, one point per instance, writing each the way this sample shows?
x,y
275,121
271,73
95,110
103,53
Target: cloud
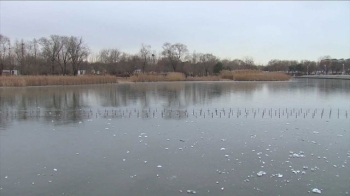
x,y
264,30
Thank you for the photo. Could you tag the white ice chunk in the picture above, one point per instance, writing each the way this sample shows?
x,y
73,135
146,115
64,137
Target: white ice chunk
x,y
315,190
261,173
191,192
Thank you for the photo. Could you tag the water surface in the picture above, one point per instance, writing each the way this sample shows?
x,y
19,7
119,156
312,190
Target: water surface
x,y
167,138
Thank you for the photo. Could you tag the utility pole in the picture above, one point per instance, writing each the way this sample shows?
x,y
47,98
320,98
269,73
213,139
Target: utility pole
x,y
22,60
10,66
22,50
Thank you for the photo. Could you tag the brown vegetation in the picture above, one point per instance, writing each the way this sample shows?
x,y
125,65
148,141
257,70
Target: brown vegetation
x,y
238,75
172,76
17,81
254,75
153,77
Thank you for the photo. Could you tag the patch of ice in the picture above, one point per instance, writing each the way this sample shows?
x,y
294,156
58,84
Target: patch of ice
x,y
191,192
316,190
260,173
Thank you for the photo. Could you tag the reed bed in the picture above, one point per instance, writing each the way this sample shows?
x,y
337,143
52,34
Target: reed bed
x,y
173,76
237,75
204,78
254,75
21,81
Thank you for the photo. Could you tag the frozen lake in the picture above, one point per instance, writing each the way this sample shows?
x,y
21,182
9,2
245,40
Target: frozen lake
x,y
204,138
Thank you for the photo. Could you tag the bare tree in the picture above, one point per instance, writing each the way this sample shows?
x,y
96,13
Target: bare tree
x,y
324,62
78,52
134,61
93,58
51,49
63,55
207,62
103,56
309,66
248,62
4,46
145,55
192,67
174,53
109,56
30,59
19,55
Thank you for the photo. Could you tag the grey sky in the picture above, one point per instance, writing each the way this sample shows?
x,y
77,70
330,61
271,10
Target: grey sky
x,y
268,30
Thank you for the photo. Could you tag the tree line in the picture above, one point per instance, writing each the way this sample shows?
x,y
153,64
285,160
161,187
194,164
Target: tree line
x,y
66,55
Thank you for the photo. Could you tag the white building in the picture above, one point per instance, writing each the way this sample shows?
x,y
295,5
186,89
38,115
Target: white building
x,y
81,72
10,72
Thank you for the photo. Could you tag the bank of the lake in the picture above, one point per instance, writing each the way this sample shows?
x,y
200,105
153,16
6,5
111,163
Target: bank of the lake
x,y
338,77
239,75
23,81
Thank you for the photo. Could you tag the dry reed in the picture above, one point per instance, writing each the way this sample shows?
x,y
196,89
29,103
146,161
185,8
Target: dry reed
x,y
17,81
172,76
204,78
254,75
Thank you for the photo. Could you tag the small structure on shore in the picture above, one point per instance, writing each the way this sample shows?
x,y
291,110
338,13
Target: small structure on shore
x,y
10,72
81,72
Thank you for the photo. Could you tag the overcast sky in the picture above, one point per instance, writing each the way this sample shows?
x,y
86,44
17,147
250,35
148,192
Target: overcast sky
x,y
268,30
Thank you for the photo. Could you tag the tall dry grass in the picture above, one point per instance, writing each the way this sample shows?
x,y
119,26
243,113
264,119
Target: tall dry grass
x,y
17,81
172,76
254,75
203,78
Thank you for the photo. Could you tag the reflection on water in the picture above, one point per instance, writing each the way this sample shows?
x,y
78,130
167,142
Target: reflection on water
x,y
74,102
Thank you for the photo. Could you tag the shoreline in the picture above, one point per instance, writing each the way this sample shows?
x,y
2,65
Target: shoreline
x,y
241,75
337,77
